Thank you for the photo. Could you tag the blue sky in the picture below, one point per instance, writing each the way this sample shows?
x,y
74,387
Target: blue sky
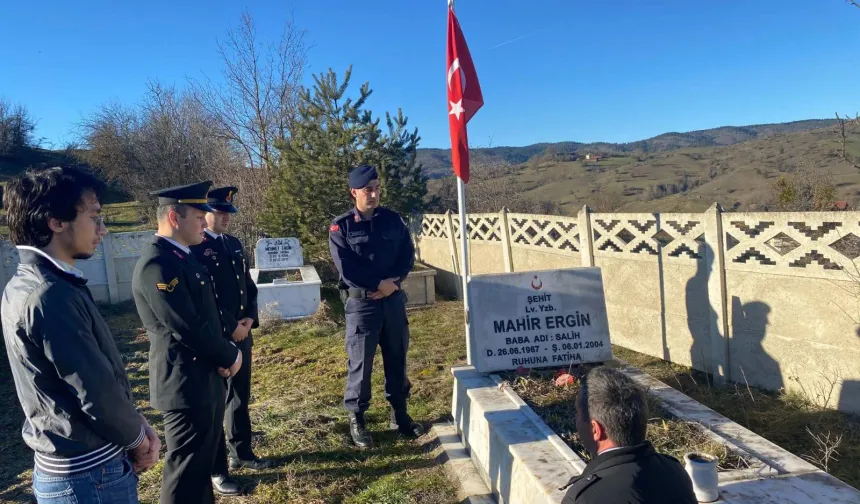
x,y
584,70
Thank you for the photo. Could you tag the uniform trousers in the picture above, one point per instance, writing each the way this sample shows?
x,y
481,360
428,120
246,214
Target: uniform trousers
x,y
192,436
237,420
372,323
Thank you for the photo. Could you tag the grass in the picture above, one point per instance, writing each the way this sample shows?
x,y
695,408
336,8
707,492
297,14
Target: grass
x,y
786,419
299,371
124,218
298,380
671,436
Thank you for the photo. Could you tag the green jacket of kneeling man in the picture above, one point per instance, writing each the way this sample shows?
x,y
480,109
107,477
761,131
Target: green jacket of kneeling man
x,y
611,419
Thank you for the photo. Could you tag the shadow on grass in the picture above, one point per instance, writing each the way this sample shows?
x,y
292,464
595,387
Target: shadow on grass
x,y
365,466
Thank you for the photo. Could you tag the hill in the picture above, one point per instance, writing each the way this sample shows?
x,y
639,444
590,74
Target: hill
x,y
740,176
437,162
23,158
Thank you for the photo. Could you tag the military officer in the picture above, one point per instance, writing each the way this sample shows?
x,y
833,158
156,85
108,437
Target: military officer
x,y
373,252
176,302
224,258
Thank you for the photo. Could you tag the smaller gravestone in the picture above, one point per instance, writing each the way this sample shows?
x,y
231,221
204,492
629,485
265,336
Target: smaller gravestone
x,y
538,319
278,253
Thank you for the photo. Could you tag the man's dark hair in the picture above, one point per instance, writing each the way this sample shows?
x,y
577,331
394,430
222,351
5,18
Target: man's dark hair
x,y
162,211
34,197
617,403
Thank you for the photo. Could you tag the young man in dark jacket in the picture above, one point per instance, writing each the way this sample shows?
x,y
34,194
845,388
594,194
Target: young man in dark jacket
x,y
611,420
80,417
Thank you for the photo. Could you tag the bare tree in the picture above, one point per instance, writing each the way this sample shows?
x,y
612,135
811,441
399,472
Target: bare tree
x,y
843,121
168,139
256,105
808,188
16,127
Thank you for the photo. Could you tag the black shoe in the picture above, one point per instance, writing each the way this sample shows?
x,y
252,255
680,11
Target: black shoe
x,y
255,463
402,423
358,431
225,485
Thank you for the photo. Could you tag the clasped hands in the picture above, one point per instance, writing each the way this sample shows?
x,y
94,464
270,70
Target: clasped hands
x,y
239,334
386,288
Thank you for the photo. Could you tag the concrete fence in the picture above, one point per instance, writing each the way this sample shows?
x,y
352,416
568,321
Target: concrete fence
x,y
764,298
108,272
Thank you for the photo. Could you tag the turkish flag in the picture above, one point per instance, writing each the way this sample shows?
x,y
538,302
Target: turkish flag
x,y
464,95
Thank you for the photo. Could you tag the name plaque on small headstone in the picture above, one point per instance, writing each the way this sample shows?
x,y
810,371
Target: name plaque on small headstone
x,y
538,319
275,253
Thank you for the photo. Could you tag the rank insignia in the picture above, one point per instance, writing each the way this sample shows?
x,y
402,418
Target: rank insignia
x,y
167,287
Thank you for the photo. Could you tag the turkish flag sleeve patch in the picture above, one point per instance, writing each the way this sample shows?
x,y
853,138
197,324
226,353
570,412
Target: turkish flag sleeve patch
x,y
334,228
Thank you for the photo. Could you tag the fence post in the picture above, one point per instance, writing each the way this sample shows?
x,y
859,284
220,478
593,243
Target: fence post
x,y
452,246
586,237
716,266
110,268
505,229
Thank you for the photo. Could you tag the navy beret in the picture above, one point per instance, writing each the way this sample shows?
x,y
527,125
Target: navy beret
x,y
361,176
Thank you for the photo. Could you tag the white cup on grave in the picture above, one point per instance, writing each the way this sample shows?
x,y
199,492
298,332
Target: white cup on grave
x,y
702,469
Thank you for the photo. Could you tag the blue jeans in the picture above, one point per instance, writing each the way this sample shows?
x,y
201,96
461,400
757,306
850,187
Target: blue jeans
x,y
112,482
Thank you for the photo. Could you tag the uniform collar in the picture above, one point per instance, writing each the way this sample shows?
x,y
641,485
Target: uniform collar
x,y
358,217
174,243
212,234
610,449
60,265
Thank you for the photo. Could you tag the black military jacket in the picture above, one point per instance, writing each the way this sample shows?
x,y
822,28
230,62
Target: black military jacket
x,y
176,303
225,261
367,251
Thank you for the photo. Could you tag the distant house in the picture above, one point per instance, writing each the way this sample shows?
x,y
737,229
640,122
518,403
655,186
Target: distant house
x,y
592,157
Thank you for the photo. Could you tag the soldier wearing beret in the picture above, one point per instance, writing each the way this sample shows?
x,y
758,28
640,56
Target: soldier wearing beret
x,y
224,258
373,252
188,354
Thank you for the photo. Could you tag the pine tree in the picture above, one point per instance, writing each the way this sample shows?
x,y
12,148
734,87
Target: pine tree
x,y
402,179
332,135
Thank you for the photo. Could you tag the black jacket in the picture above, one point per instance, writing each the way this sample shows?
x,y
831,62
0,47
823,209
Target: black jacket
x,y
68,373
176,303
631,475
225,260
367,251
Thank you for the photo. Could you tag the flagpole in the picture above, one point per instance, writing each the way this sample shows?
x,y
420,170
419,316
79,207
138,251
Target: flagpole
x,y
464,254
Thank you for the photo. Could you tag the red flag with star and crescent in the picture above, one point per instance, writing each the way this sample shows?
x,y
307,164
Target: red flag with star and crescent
x,y
464,95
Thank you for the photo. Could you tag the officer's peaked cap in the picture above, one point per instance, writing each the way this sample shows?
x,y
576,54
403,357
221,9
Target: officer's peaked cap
x,y
193,195
361,176
221,199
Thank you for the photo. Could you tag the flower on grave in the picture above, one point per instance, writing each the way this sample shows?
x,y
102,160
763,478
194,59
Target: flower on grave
x,y
563,379
522,371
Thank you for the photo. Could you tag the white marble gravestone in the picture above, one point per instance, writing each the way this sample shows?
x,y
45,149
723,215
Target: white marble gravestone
x,y
282,298
538,319
278,253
